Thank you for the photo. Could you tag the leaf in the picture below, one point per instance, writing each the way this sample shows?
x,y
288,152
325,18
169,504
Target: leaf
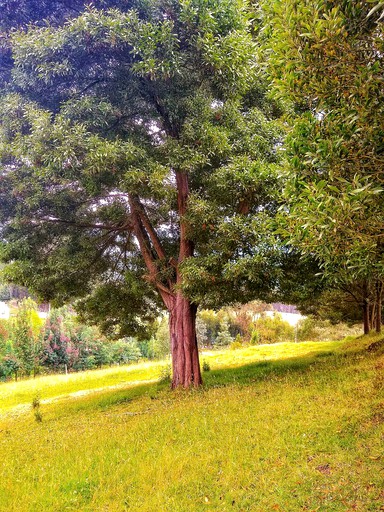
x,y
374,9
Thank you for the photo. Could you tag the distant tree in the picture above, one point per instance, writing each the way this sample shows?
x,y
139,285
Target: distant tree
x,y
223,337
25,335
56,342
267,329
125,351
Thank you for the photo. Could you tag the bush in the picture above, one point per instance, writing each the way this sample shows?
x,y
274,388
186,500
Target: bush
x,y
161,344
206,366
273,329
313,329
9,367
125,351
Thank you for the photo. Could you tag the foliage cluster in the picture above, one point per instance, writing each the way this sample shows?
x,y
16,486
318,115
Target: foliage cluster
x,y
325,59
28,345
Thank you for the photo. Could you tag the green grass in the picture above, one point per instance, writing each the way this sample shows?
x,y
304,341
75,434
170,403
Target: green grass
x,y
287,427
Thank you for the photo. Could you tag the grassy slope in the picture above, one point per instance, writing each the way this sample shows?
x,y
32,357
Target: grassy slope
x,y
289,427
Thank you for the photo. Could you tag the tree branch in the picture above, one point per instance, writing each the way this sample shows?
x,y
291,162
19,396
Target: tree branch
x,y
146,251
149,228
107,227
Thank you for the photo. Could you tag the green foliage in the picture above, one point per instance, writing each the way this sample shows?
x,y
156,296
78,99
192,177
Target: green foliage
x,y
223,337
327,60
267,329
124,351
165,375
206,366
9,366
110,108
161,343
238,343
36,402
314,329
25,336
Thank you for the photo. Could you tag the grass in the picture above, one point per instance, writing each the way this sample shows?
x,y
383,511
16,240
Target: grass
x,y
287,427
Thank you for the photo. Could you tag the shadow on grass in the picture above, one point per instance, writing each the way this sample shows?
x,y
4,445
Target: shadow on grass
x,y
263,370
245,375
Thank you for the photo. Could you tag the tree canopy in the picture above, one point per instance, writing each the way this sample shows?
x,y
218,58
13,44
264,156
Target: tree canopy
x,y
326,58
140,164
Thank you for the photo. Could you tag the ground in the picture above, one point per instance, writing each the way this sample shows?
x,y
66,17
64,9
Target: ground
x,y
287,427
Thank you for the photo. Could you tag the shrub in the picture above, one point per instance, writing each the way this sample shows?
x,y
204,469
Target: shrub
x,y
206,366
125,351
313,329
161,343
9,366
273,329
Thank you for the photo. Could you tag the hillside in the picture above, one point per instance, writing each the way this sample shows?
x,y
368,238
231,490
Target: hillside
x,y
287,427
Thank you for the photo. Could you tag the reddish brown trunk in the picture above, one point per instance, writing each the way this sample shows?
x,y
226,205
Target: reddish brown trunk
x,y
379,305
182,314
366,317
185,354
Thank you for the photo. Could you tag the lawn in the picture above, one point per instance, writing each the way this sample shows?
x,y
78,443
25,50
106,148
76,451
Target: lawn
x,y
286,427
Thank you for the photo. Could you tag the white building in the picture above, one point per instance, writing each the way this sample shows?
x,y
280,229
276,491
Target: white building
x,y
5,312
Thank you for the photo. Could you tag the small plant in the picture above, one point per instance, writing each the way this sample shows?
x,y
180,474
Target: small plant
x,y
36,408
236,343
165,375
206,366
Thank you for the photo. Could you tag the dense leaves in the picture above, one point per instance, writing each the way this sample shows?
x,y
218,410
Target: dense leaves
x,y
327,59
140,154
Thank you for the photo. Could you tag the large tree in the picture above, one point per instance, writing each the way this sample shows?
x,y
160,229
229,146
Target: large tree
x,y
327,58
139,165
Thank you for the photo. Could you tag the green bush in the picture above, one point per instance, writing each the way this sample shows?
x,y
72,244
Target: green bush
x,y
273,329
9,367
161,343
206,366
125,351
313,329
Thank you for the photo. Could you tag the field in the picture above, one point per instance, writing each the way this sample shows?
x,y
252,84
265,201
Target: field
x,y
286,427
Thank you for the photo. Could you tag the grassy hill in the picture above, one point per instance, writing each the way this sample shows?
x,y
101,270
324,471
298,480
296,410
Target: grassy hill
x,y
287,427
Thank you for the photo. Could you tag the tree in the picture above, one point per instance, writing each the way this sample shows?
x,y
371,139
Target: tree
x,y
26,336
139,159
327,59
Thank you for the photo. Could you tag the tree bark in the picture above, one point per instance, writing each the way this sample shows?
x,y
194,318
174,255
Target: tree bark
x,y
185,355
379,305
366,316
182,313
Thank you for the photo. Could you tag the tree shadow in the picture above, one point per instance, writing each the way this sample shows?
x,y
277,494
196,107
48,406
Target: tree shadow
x,y
244,375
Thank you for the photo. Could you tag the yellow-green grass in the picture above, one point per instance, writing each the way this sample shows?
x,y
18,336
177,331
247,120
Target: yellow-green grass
x,y
49,387
289,427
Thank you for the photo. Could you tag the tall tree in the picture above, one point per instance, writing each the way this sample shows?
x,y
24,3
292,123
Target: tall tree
x,y
139,158
327,58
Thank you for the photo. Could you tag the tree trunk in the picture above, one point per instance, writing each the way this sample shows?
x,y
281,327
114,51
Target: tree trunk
x,y
185,354
379,305
182,314
366,316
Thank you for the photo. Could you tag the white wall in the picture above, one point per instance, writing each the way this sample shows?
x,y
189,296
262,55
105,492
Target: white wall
x,y
4,310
